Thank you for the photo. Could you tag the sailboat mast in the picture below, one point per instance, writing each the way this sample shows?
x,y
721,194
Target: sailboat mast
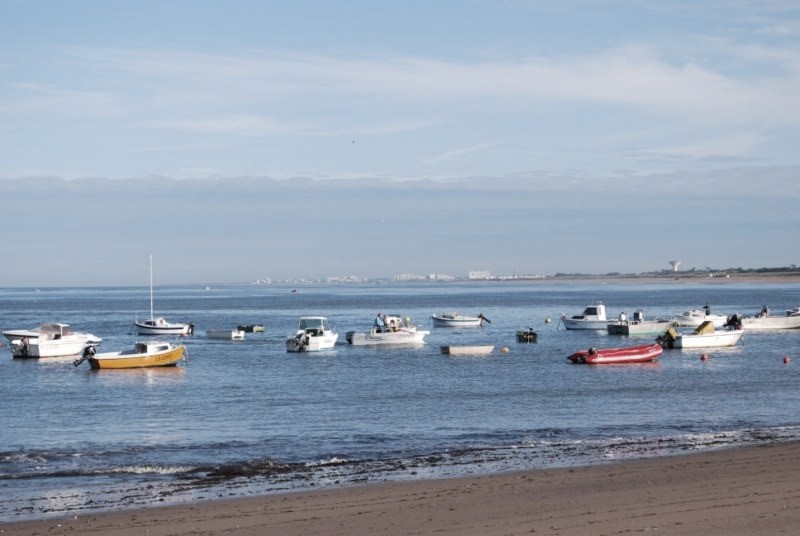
x,y
151,286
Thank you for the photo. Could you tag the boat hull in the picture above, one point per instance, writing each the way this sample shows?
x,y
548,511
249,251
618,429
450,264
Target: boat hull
x,y
768,323
639,328
252,328
226,334
695,317
473,350
632,354
123,360
376,338
314,343
165,329
595,325
456,321
39,349
49,339
708,340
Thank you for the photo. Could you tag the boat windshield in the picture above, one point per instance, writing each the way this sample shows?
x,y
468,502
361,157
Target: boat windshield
x,y
313,323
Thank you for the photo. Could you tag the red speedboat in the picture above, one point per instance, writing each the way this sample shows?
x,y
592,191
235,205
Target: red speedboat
x,y
631,354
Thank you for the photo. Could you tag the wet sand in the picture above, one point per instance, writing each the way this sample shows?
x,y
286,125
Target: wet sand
x,y
745,491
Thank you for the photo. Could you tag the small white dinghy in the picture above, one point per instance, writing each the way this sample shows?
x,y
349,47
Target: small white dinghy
x,y
471,350
227,334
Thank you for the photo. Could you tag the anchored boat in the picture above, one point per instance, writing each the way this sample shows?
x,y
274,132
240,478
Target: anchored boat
x,y
143,354
632,354
313,335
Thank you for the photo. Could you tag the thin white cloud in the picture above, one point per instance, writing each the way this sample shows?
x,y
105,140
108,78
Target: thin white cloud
x,y
25,98
449,155
632,76
724,147
241,124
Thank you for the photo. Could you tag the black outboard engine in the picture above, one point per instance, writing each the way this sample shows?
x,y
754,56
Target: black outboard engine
x,y
88,352
734,321
667,340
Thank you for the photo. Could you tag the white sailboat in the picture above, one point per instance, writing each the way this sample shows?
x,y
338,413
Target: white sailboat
x,y
159,326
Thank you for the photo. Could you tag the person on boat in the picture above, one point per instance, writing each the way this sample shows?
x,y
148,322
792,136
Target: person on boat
x,y
379,323
623,317
707,309
764,312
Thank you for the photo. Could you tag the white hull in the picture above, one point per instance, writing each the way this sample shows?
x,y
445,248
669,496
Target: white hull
x,y
61,348
460,322
227,334
455,320
316,343
49,340
386,337
771,322
161,327
645,327
694,318
570,323
710,340
473,350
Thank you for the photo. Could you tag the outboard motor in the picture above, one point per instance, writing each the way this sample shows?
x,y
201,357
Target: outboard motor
x,y
88,352
734,321
667,340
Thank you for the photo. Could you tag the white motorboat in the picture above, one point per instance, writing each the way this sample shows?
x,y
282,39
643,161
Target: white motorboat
x,y
389,329
313,335
455,320
593,317
695,317
227,334
705,336
159,326
764,320
638,325
50,339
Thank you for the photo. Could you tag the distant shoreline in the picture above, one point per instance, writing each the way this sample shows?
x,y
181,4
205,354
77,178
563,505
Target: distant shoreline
x,y
682,278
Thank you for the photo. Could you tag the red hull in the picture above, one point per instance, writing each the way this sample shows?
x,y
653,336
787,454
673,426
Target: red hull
x,y
632,354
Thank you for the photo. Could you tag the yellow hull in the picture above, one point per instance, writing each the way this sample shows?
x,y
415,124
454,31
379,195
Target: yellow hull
x,y
118,360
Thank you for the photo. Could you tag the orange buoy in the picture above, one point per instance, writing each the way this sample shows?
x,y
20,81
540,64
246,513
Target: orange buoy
x,y
786,359
703,357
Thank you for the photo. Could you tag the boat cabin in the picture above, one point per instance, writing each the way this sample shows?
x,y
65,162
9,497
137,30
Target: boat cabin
x,y
151,347
52,331
593,312
313,325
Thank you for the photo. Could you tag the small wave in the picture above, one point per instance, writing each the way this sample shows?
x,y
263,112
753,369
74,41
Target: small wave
x,y
330,462
149,470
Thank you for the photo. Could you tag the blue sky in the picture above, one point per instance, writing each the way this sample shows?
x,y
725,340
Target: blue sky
x,y
547,123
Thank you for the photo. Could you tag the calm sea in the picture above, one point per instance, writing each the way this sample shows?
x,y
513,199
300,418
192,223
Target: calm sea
x,y
245,417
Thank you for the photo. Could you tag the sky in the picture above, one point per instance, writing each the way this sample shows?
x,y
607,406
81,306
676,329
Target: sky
x,y
246,139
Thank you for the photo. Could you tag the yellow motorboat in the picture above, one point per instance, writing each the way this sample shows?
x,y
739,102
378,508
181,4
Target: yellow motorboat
x,y
143,354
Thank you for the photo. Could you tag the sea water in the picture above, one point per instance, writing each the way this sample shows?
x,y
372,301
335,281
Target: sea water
x,y
246,417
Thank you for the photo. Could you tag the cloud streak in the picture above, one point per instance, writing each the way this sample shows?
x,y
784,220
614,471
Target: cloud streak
x,y
632,76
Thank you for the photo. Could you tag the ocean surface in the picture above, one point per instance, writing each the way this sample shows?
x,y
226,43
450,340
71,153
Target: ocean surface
x,y
245,417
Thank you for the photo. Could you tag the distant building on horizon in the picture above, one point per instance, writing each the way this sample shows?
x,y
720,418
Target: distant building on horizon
x,y
408,277
344,279
441,277
479,274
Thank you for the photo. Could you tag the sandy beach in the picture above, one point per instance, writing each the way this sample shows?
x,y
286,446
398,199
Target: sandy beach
x,y
745,491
